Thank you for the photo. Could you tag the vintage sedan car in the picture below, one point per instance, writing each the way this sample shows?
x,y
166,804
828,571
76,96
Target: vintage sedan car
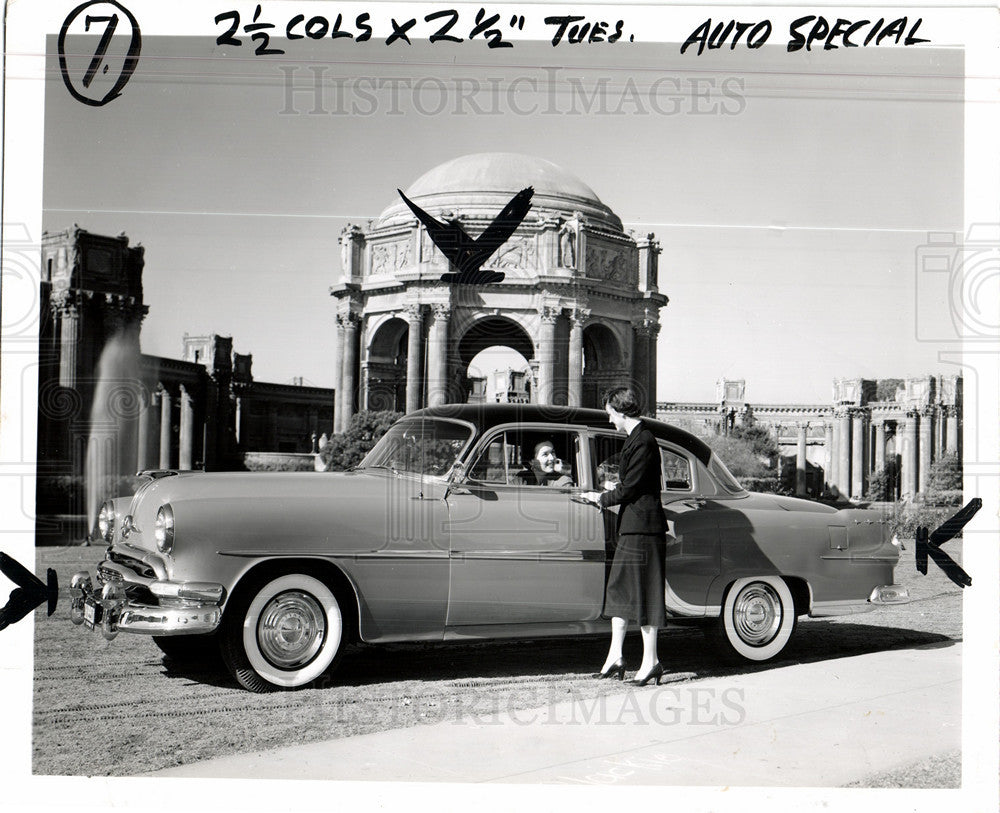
x,y
442,534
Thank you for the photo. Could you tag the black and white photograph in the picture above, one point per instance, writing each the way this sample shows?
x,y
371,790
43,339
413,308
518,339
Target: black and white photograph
x,y
413,396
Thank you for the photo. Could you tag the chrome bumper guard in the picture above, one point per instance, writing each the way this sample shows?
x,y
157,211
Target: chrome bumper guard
x,y
889,594
186,608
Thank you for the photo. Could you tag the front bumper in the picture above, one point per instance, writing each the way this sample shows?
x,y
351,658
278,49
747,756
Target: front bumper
x,y
124,601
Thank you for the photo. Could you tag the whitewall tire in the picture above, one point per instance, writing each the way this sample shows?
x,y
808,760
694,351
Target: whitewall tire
x,y
758,618
282,632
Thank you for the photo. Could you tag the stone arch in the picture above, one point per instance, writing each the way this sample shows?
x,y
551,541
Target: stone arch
x,y
385,363
569,264
484,333
604,362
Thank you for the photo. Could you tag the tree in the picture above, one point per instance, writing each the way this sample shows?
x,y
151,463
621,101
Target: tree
x,y
761,441
349,448
884,483
946,473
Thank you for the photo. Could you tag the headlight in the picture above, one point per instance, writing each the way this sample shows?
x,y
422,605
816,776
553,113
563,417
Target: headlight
x,y
163,529
106,521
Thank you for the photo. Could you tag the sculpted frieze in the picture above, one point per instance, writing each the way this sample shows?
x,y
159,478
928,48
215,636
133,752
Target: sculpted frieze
x,y
611,263
390,257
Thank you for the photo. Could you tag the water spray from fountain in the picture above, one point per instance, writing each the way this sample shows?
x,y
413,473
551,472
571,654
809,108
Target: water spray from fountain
x,y
111,445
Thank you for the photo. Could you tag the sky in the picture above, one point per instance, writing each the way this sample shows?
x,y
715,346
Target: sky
x,y
791,198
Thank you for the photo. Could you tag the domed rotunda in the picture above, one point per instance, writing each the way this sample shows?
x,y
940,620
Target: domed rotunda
x,y
579,299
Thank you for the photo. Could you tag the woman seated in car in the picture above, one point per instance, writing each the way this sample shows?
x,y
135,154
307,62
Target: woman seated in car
x,y
545,468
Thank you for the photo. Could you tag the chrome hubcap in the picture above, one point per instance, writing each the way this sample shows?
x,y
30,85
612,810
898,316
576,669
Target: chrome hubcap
x,y
757,614
291,629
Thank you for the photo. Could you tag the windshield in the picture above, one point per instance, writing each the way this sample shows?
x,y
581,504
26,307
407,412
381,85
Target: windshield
x,y
420,446
723,476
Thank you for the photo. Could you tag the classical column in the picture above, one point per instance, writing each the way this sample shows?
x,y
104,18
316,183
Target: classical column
x,y
640,363
165,433
910,480
833,452
654,333
349,379
414,355
879,445
186,453
800,458
844,454
576,320
546,354
926,448
153,433
437,356
364,390
68,339
338,374
858,453
951,430
828,445
142,458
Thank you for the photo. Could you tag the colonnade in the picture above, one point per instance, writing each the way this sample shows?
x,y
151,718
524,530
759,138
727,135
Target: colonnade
x,y
857,442
558,380
154,448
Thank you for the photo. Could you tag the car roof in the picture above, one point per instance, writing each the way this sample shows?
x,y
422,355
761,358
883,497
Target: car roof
x,y
486,416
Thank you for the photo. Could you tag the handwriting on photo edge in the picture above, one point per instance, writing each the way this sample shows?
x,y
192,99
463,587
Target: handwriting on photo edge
x,y
805,32
444,25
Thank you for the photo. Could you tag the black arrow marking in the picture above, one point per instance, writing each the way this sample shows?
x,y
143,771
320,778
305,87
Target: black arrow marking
x,y
467,254
931,545
31,593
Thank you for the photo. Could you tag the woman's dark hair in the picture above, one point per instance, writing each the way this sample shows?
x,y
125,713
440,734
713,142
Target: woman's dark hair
x,y
623,400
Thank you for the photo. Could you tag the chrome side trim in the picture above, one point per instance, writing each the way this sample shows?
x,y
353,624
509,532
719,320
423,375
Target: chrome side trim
x,y
531,555
678,606
312,554
825,609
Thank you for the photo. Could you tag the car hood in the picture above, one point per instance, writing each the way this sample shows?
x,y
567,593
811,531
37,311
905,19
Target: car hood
x,y
288,512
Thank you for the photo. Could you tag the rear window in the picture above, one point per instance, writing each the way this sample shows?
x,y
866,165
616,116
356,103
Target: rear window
x,y
722,475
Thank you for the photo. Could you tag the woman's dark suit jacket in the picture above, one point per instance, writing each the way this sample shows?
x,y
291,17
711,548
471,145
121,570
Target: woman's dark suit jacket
x,y
638,489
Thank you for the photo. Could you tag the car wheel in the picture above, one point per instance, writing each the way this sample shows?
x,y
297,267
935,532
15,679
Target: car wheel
x,y
758,618
282,632
189,649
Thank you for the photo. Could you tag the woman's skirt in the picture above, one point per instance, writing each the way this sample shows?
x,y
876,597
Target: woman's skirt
x,y
636,582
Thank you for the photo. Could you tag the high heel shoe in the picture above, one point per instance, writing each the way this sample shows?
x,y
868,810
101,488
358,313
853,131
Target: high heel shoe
x,y
655,673
617,669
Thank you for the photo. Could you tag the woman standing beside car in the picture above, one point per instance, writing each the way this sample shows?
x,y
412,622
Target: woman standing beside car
x,y
635,588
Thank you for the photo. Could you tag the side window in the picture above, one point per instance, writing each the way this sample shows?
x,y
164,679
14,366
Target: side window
x,y
529,457
676,471
492,464
605,453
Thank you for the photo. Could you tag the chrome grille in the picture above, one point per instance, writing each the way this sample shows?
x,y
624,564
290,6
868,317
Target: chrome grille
x,y
141,568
